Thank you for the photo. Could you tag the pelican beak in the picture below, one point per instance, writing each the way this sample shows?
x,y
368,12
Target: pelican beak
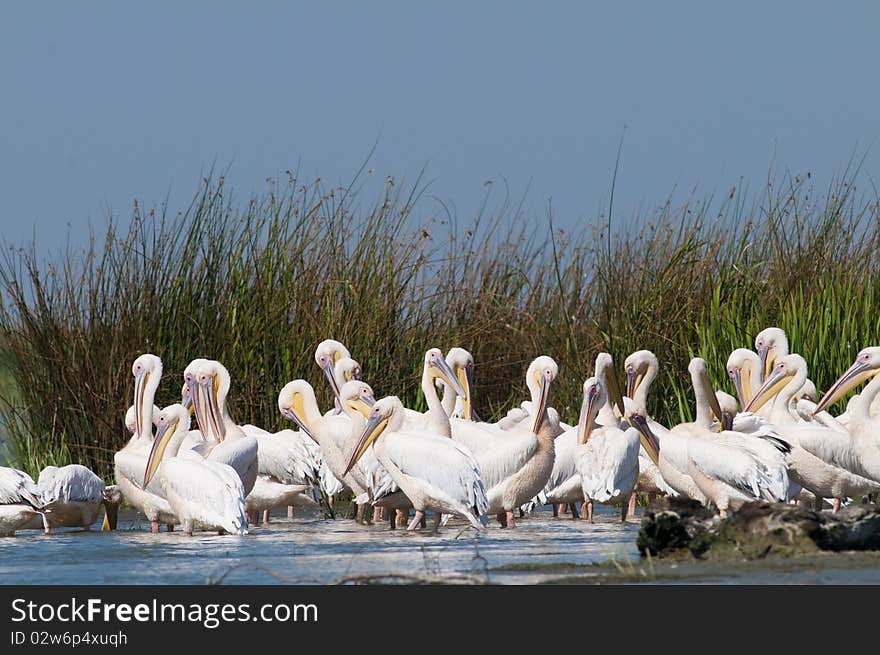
x,y
542,401
585,420
198,404
440,370
772,386
296,413
186,399
633,380
727,420
374,427
713,400
163,436
614,390
649,440
767,355
463,373
737,378
140,383
209,388
331,378
363,405
854,376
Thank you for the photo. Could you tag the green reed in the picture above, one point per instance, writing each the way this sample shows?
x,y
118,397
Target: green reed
x,y
258,284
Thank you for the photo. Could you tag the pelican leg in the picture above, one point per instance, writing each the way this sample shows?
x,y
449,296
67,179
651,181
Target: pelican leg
x,y
423,523
359,516
436,529
290,511
556,511
835,506
632,505
416,520
624,510
154,527
392,520
511,523
330,501
817,504
402,516
589,513
573,508
46,527
265,517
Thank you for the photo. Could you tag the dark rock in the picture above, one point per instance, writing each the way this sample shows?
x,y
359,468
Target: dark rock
x,y
681,528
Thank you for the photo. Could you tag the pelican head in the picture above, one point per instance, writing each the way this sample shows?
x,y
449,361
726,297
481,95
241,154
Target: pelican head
x,y
594,398
604,370
867,364
146,368
771,343
740,367
462,364
292,403
213,380
186,398
172,420
346,369
197,399
436,368
541,373
357,396
729,409
783,371
642,365
327,354
387,414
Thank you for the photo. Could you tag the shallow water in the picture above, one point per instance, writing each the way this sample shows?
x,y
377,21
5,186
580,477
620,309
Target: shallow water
x,y
309,549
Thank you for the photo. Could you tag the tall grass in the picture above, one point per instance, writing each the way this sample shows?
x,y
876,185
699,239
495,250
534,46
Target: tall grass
x,y
258,284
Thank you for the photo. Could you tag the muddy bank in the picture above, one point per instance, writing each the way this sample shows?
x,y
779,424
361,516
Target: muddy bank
x,y
682,529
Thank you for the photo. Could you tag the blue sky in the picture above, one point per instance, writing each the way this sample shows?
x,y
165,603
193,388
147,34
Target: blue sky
x,y
103,102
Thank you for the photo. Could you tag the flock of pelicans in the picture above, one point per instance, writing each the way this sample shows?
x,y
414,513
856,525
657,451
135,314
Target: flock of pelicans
x,y
772,442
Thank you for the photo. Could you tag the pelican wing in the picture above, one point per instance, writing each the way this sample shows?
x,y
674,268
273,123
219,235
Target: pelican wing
x,y
284,457
610,466
752,465
506,456
564,462
18,487
441,463
805,408
829,445
72,483
211,494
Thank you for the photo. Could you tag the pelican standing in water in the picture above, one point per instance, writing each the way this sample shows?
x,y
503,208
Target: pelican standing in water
x,y
607,457
226,442
129,462
205,494
72,497
516,467
822,460
20,501
434,472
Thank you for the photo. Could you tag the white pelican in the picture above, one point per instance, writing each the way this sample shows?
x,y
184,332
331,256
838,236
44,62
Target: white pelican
x,y
433,471
204,494
822,459
327,354
863,426
516,466
268,493
729,467
770,344
226,442
72,496
607,457
641,368
129,462
20,502
461,363
435,419
332,433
